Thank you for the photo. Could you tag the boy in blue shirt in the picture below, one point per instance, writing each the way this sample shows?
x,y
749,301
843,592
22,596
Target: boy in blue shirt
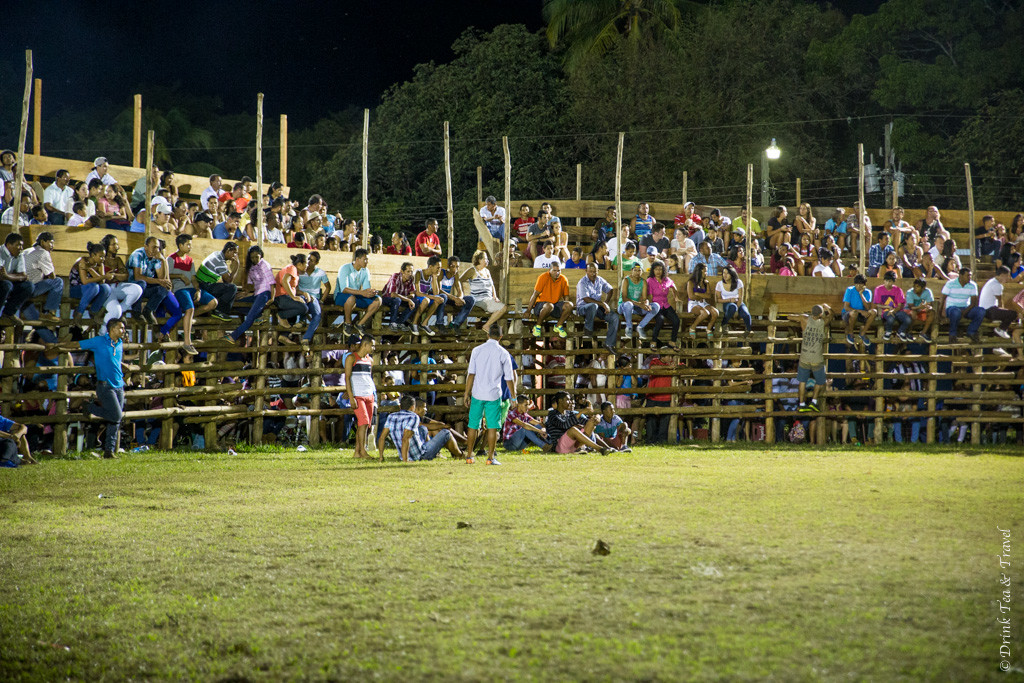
x,y
857,307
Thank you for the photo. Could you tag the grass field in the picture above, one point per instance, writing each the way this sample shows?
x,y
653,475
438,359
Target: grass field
x,y
725,564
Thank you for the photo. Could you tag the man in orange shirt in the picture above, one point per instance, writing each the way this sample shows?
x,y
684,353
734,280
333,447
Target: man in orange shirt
x,y
551,295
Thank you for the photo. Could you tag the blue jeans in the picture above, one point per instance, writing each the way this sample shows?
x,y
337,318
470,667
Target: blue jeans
x,y
734,424
53,288
290,308
154,295
19,293
976,315
730,309
590,311
519,437
92,293
172,309
627,309
259,302
430,448
398,314
109,408
890,318
461,316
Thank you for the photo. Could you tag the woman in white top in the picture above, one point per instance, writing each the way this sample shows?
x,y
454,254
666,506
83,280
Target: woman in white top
x,y
729,292
824,267
683,247
699,301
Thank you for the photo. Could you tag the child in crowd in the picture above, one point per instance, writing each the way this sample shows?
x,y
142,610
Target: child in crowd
x,y
520,427
613,429
576,260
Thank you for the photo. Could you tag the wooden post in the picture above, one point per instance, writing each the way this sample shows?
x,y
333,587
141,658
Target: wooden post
x,y
970,219
260,402
150,186
479,186
579,192
283,171
861,209
316,381
448,189
685,181
167,424
508,214
19,177
259,169
618,206
37,119
933,386
769,351
798,192
895,189
210,428
137,133
750,220
60,429
366,179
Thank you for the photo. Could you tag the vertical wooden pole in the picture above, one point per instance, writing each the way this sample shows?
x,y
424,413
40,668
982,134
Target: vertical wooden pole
x,y
316,382
750,221
19,177
137,133
769,351
448,189
685,182
798,192
970,219
260,401
579,192
60,430
861,209
167,424
479,186
283,172
618,206
259,169
366,179
895,190
37,120
508,213
150,185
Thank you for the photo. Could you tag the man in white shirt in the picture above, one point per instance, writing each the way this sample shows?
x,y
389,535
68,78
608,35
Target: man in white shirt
x,y
58,198
40,273
99,170
212,191
494,217
991,301
489,365
547,258
23,219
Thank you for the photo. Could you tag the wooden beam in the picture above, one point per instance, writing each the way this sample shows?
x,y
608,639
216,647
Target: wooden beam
x,y
283,171
366,179
19,177
970,218
618,203
750,213
150,186
259,169
137,133
37,119
448,189
579,191
798,192
685,182
861,210
479,186
508,215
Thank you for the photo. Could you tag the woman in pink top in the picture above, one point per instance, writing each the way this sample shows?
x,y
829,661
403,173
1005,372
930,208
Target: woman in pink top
x,y
663,292
260,275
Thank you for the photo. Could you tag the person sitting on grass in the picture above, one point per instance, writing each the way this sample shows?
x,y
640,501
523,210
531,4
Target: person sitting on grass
x,y
404,427
258,274
857,308
551,295
429,427
361,390
613,429
889,304
520,426
352,291
815,329
569,431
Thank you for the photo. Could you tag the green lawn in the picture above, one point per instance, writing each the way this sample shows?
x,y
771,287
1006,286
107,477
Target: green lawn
x,y
725,564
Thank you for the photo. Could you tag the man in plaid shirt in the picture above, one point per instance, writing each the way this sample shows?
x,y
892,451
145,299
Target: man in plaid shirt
x,y
398,293
404,427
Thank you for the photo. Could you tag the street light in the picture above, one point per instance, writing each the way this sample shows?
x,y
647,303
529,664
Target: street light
x,y
772,153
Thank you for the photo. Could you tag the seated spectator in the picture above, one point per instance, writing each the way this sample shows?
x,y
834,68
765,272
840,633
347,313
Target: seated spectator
x,y
824,267
576,259
561,242
753,226
399,245
181,269
229,230
599,256
292,303
15,289
897,228
481,288
551,295
299,241
634,299
690,221
273,233
990,300
649,259
714,240
878,253
919,301
538,233
216,277
959,299
615,244
657,239
78,216
699,301
987,242
399,296
494,218
259,276
908,257
806,224
604,229
711,262
642,224
613,429
353,291
148,268
930,228
778,232
949,260
58,198
521,427
673,265
428,290
427,242
593,294
662,291
788,267
313,280
213,191
548,257
569,431
451,288
836,226
40,273
857,308
123,293
628,258
890,303
24,216
86,282
730,293
99,172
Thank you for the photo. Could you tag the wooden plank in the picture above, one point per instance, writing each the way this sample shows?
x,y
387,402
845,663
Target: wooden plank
x,y
37,119
136,133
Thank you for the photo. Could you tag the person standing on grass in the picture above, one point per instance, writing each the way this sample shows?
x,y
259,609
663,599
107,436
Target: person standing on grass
x,y
489,365
812,354
362,392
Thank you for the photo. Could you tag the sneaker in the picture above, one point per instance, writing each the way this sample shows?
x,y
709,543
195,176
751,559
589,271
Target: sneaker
x,y
867,342
804,408
813,407
190,350
850,340
348,329
360,330
625,449
975,338
49,317
217,315
492,461
537,330
393,327
228,338
150,317
560,331
154,357
926,338
470,460
587,334
1002,333
642,333
887,336
415,329
109,455
429,331
902,337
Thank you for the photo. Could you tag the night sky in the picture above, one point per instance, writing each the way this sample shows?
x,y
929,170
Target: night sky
x,y
309,58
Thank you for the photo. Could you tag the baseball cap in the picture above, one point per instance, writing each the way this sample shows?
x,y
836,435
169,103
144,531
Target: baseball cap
x,y
161,208
651,251
740,231
99,161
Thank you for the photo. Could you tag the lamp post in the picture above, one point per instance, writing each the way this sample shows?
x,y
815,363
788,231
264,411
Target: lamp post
x,y
771,154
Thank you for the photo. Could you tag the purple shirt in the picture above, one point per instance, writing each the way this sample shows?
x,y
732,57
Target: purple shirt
x,y
261,277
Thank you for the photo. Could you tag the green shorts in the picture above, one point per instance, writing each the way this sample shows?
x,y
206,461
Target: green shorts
x,y
478,409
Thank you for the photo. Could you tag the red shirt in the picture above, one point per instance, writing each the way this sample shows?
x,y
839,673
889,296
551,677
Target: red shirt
x,y
406,251
304,245
658,381
427,239
523,226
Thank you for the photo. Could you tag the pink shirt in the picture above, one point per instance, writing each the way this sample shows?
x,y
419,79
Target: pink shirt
x,y
261,277
890,296
659,290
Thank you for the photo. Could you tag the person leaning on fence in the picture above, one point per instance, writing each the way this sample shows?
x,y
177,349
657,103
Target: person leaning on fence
x,y
490,366
260,276
593,294
352,291
481,288
551,295
634,299
815,329
292,303
857,308
889,302
959,299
